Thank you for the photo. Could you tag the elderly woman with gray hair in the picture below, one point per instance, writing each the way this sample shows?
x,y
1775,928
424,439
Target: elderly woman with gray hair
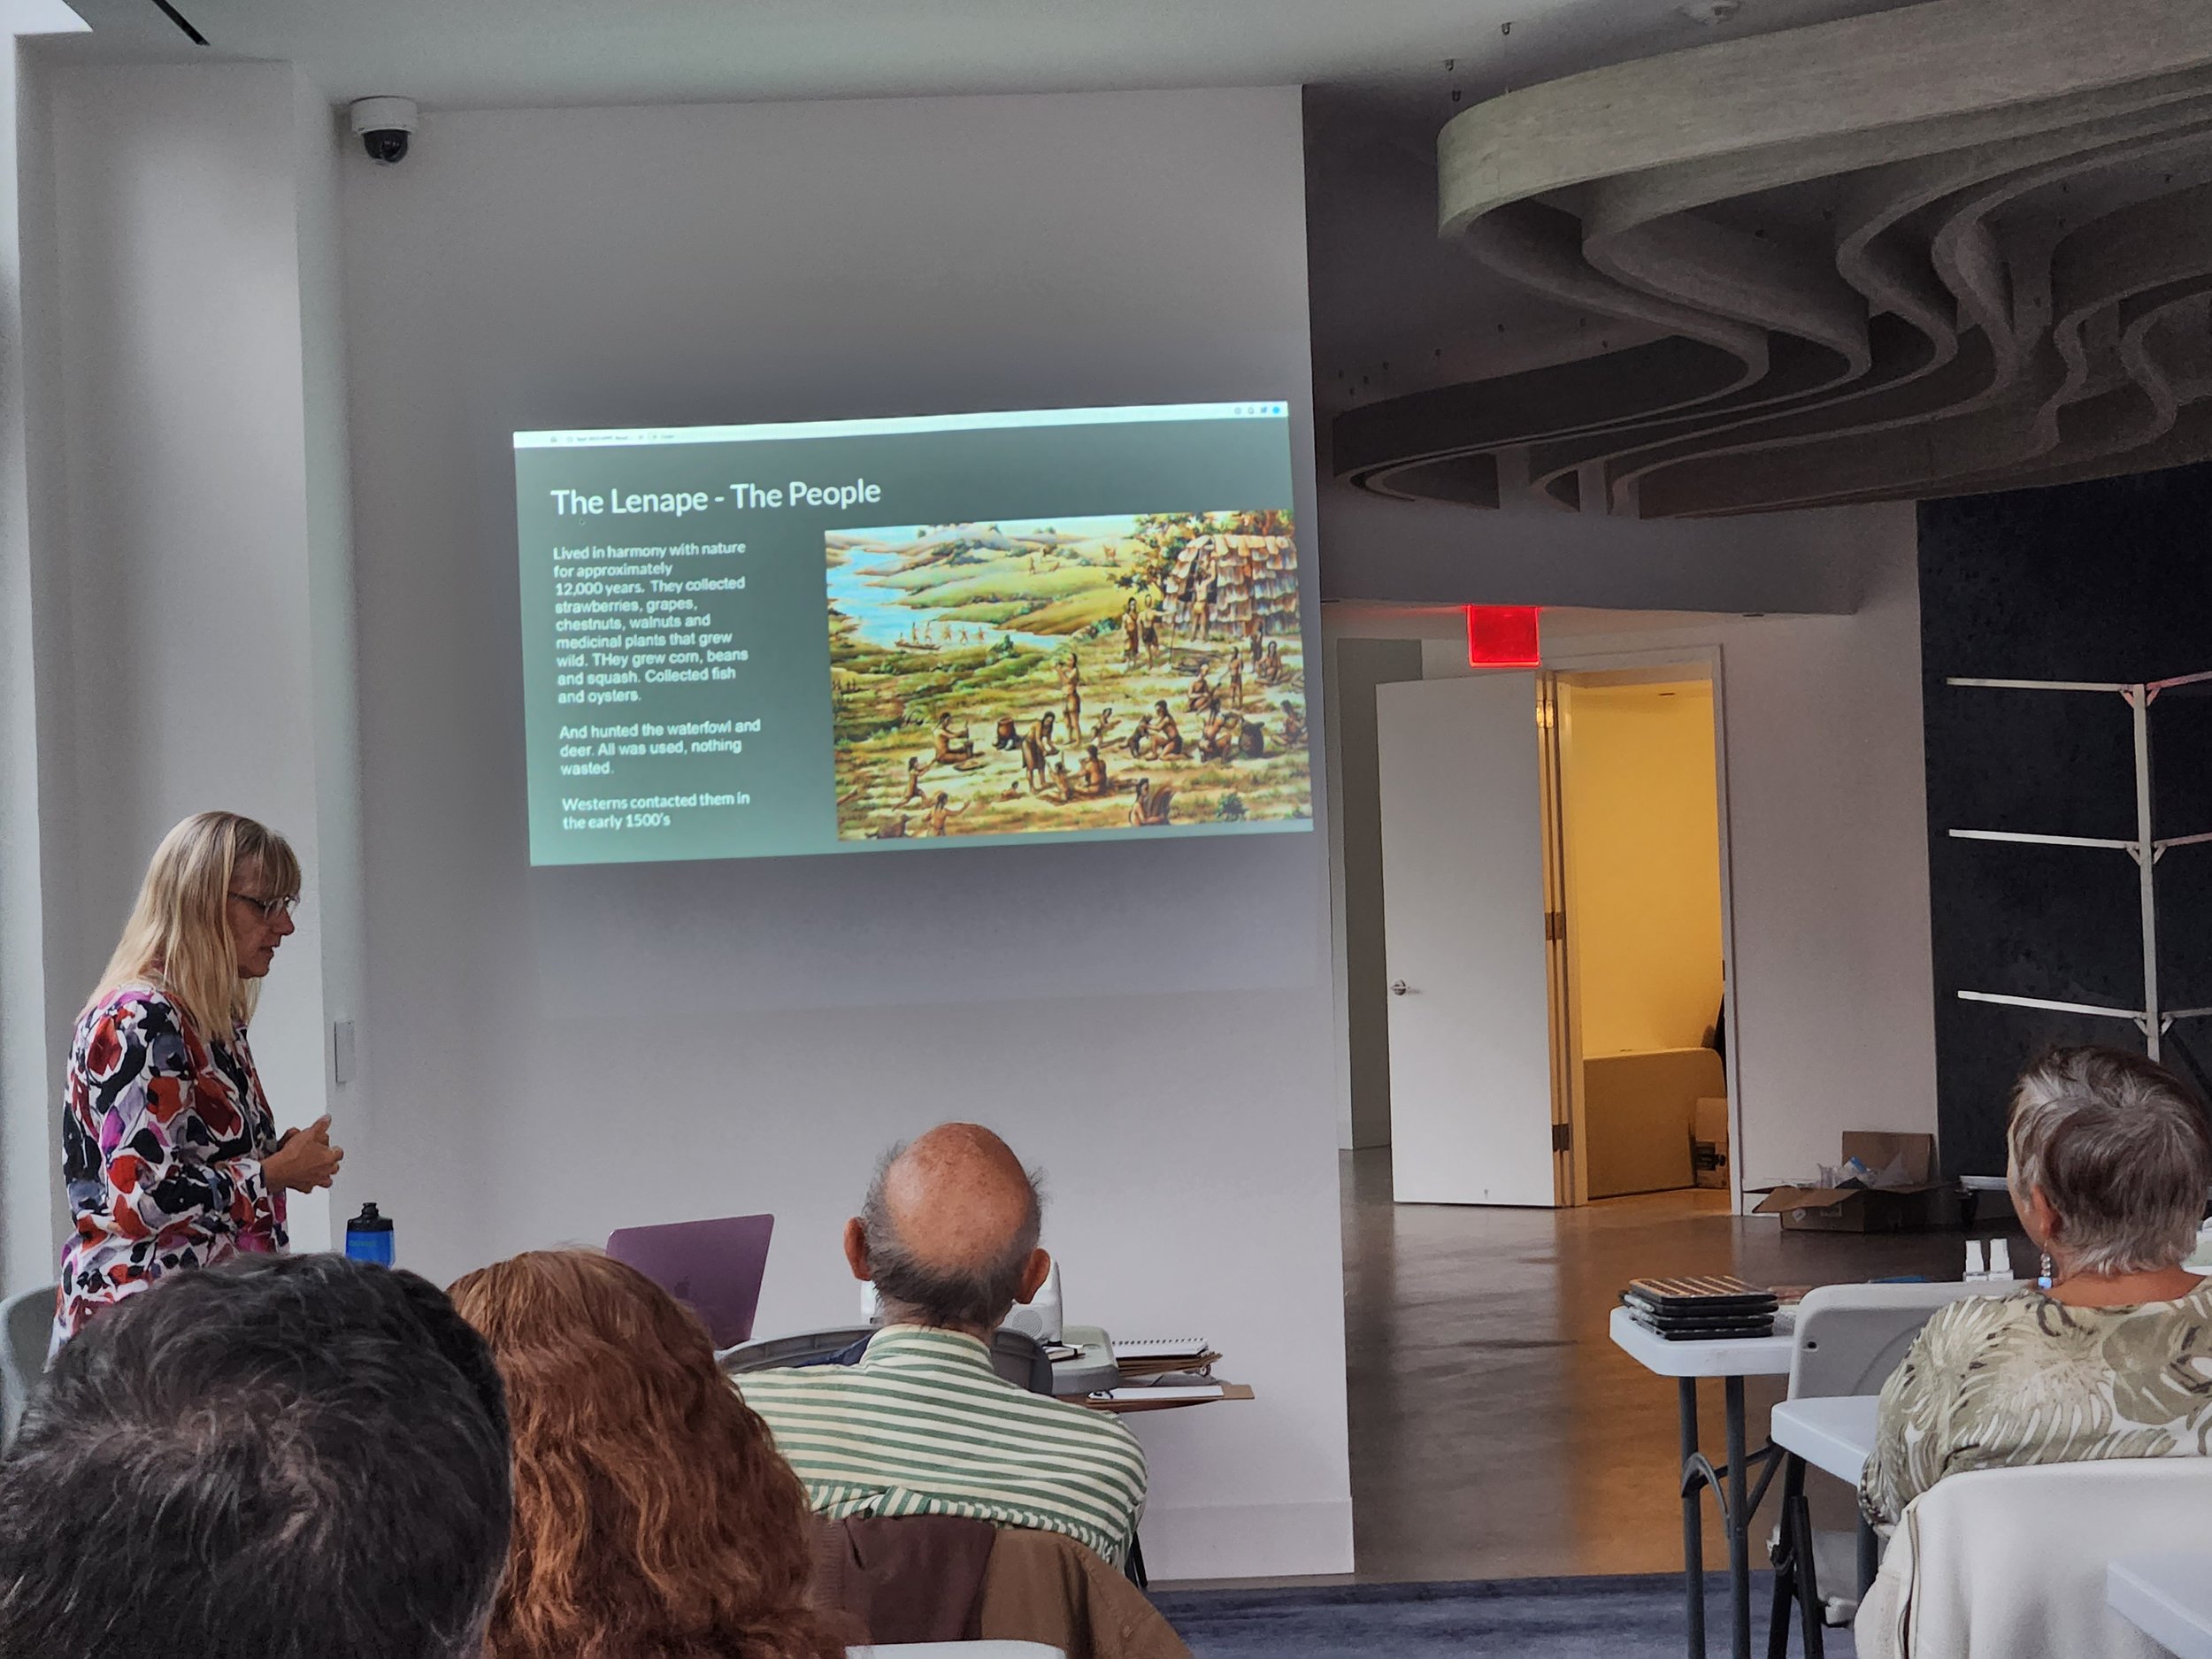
x,y
2110,1162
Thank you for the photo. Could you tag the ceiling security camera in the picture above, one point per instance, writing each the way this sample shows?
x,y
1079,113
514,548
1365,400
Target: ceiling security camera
x,y
382,124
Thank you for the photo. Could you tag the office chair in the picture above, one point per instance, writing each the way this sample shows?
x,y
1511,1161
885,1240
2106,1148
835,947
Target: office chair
x,y
27,1325
1019,1359
782,1353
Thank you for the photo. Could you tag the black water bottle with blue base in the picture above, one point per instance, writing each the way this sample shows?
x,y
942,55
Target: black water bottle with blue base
x,y
369,1237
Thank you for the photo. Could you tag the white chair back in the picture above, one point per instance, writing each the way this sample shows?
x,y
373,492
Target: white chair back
x,y
1850,1337
27,1326
2010,1563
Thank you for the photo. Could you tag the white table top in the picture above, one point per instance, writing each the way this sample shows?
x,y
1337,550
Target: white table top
x,y
1835,1435
1731,1356
2168,1596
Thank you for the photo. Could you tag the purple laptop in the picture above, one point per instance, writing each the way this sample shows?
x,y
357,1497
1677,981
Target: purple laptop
x,y
714,1268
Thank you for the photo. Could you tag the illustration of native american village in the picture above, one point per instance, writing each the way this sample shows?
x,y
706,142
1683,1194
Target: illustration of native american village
x,y
1126,672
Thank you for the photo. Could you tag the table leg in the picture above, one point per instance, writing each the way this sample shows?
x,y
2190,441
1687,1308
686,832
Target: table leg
x,y
1796,1584
1739,1524
1812,1606
1693,1518
1786,1566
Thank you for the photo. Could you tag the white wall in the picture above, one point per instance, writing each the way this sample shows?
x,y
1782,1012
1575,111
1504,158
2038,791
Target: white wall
x,y
1834,992
187,560
30,1122
562,1051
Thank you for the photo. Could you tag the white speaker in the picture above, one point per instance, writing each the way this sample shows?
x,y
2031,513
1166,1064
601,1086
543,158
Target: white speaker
x,y
1039,1317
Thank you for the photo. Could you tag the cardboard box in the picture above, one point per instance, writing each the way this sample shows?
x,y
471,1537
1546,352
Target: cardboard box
x,y
1708,1142
1923,1204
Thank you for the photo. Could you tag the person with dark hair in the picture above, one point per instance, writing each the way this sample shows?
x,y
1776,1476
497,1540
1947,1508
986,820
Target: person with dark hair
x,y
286,1457
2109,1161
1168,735
653,1517
922,1424
952,747
1038,747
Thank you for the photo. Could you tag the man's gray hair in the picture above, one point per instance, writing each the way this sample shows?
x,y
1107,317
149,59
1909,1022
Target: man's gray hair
x,y
939,1294
2119,1148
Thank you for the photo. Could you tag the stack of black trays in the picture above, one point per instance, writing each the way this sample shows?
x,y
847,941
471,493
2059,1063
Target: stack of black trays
x,y
1700,1310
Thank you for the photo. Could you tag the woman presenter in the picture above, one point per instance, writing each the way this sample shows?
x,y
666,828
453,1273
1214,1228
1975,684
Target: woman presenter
x,y
169,1151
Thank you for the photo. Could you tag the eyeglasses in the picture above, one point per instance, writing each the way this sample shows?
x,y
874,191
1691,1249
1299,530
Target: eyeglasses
x,y
269,909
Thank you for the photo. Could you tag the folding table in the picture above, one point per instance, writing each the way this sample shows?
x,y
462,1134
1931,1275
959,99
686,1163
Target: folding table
x,y
1834,1434
1731,1360
2168,1596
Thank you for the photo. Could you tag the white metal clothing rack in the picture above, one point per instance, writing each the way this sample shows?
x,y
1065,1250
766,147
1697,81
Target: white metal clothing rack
x,y
2145,849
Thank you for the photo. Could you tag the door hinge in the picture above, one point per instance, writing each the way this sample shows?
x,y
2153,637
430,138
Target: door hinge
x,y
1562,1137
1554,926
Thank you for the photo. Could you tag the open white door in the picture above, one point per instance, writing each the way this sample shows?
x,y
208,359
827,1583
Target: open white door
x,y
1470,1043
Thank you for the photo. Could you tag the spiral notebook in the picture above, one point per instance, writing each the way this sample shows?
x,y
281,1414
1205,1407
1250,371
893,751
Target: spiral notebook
x,y
1161,1347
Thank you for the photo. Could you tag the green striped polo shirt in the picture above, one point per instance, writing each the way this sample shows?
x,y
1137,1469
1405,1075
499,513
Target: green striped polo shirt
x,y
923,1425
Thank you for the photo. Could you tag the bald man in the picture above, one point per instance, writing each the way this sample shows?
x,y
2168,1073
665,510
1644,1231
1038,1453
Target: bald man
x,y
923,1424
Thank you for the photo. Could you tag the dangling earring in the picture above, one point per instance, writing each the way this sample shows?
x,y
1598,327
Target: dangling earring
x,y
2044,1281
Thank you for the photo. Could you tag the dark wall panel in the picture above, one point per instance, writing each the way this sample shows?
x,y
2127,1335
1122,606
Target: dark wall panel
x,y
2109,580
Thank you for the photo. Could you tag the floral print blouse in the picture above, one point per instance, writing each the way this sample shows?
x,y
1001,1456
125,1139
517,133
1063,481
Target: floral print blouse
x,y
1995,1381
163,1133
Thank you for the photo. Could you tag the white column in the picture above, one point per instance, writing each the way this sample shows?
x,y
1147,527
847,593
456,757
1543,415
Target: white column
x,y
191,600
30,1224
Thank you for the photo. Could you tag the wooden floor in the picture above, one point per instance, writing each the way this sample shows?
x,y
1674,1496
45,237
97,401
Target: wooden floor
x,y
1495,1432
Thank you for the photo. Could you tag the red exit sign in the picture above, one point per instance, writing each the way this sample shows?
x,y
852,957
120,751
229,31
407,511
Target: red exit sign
x,y
1502,636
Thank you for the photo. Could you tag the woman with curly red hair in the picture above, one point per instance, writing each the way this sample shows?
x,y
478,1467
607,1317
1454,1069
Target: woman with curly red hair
x,y
653,1516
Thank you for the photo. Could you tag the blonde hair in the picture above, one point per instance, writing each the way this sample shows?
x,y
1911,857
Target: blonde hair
x,y
178,939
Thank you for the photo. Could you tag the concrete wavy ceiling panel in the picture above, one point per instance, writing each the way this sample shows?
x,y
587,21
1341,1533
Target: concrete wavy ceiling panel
x,y
1961,246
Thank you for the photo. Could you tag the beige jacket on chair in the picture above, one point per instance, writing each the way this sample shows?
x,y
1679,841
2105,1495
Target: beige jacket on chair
x,y
2010,1563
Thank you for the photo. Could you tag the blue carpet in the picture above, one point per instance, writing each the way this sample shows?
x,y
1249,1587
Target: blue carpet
x,y
1625,1618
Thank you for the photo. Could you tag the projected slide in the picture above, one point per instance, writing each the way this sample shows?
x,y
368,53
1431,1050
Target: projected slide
x,y
865,635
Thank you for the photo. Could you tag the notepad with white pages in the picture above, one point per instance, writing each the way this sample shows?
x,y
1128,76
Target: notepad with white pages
x,y
1161,1347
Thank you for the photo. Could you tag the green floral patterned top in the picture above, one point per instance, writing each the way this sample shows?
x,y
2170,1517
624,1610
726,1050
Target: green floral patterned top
x,y
1995,1381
